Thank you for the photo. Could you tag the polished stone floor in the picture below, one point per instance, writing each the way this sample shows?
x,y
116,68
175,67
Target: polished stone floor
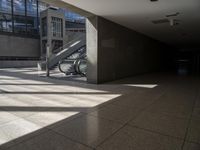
x,y
158,111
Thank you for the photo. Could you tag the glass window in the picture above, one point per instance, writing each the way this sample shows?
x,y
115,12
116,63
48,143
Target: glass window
x,y
57,26
32,25
31,7
5,22
42,6
20,24
5,6
19,7
73,17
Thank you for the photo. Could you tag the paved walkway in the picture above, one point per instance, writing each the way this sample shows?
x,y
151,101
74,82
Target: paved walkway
x,y
148,112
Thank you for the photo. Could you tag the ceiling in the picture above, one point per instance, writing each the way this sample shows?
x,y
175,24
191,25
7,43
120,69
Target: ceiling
x,y
139,14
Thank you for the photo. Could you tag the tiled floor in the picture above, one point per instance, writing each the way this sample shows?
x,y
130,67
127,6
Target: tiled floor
x,y
158,111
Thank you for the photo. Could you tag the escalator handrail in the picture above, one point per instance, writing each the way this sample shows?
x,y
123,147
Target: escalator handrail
x,y
78,67
60,62
68,44
67,50
75,64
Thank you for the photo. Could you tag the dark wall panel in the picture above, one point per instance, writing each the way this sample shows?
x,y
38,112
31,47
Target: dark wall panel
x,y
123,52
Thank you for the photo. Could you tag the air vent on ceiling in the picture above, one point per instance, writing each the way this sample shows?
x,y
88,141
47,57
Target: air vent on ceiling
x,y
160,21
153,0
173,15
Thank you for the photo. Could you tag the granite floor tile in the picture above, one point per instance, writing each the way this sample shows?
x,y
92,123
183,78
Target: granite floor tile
x,y
6,117
183,111
44,119
15,129
130,138
191,146
116,113
49,141
177,98
88,129
131,101
196,112
194,131
164,124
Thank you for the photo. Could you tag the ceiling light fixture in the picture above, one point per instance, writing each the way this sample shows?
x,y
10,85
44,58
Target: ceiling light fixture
x,y
171,22
174,22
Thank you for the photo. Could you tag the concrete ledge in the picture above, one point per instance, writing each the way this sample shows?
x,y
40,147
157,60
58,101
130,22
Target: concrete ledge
x,y
17,63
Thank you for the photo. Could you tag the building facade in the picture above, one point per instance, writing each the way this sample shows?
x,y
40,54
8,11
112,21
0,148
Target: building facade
x,y
20,27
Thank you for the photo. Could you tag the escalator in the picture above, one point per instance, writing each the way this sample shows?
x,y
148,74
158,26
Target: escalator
x,y
74,64
67,50
70,58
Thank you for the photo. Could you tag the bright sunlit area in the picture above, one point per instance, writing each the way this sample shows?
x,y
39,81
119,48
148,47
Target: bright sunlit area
x,y
30,103
143,85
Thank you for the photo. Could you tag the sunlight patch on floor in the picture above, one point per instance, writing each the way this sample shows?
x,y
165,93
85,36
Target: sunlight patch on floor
x,y
143,85
27,105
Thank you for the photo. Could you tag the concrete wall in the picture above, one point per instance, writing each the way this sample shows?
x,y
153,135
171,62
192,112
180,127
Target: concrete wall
x,y
17,64
72,35
121,52
19,47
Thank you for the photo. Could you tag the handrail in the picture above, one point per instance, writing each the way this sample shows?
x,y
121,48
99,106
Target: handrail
x,y
78,65
69,60
69,43
75,64
66,49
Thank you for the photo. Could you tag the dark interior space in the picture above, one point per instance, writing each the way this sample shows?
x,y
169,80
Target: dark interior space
x,y
182,61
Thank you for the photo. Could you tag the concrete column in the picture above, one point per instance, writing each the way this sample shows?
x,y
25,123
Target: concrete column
x,y
92,49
